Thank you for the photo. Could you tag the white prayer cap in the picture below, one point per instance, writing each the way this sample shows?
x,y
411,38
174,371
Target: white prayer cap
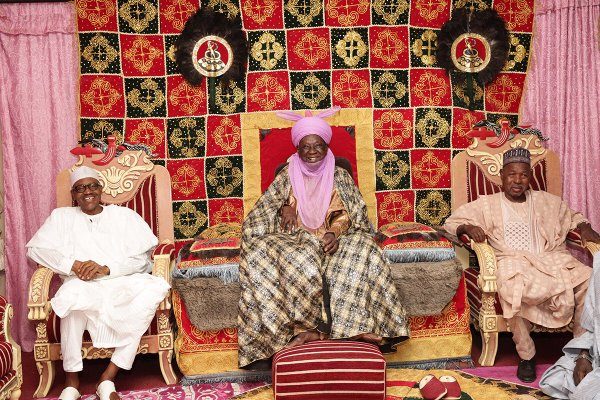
x,y
84,172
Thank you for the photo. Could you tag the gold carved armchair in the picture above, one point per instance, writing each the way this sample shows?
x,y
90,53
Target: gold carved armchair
x,y
11,370
476,172
133,181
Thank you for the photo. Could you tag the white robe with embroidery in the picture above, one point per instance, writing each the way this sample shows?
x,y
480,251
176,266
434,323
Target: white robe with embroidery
x,y
558,380
119,307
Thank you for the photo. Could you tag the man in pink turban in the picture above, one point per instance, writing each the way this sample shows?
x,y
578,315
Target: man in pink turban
x,y
309,267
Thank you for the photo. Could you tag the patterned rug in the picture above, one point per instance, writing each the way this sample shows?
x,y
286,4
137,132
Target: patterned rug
x,y
217,391
402,384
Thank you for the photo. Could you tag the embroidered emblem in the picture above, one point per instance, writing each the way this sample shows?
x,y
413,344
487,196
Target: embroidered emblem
x,y
267,51
148,97
227,135
432,127
224,177
311,92
138,14
101,96
392,129
99,53
187,139
425,47
433,209
311,48
387,90
391,169
142,54
351,48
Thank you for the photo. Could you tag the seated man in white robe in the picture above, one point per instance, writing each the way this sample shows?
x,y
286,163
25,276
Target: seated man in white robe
x,y
102,254
576,375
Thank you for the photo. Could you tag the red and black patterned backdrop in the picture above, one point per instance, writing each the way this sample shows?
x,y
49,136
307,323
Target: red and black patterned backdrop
x,y
303,54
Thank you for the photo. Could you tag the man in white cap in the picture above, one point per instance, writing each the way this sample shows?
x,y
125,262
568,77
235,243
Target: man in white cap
x,y
539,281
102,253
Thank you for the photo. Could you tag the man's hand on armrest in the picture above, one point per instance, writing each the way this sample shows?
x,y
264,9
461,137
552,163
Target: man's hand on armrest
x,y
588,234
474,232
88,270
583,366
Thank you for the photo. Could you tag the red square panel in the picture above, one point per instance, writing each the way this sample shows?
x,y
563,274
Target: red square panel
x,y
462,122
225,210
147,131
347,12
308,49
517,14
262,14
395,206
504,93
393,129
184,99
96,15
389,46
224,135
351,88
268,91
429,13
175,13
187,179
142,55
102,96
429,87
430,168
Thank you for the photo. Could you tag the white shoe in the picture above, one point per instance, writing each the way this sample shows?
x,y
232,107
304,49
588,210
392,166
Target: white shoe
x,y
105,389
69,393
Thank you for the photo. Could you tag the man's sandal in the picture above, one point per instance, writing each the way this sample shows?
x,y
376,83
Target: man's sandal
x,y
69,393
105,389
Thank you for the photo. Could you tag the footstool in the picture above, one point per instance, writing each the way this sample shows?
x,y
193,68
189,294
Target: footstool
x,y
328,370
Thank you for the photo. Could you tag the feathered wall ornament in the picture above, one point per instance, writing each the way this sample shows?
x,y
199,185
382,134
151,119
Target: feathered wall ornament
x,y
475,43
211,45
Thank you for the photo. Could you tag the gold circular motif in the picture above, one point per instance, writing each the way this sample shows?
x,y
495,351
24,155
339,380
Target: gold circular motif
x,y
216,56
466,52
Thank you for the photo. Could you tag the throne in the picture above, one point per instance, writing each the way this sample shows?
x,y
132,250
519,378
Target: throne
x,y
130,180
476,172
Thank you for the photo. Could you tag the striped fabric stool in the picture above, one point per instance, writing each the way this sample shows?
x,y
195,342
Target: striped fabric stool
x,y
328,370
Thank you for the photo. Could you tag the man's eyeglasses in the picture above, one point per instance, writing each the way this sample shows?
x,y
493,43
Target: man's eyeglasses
x,y
81,188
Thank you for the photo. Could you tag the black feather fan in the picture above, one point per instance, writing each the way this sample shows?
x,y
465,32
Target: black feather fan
x,y
486,23
207,22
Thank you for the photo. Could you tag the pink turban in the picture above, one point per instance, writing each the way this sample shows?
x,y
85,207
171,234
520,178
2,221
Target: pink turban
x,y
309,124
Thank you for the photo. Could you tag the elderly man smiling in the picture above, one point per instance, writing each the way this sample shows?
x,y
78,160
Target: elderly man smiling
x,y
539,281
102,253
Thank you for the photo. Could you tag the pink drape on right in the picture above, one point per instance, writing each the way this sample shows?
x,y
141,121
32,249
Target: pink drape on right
x,y
38,120
562,95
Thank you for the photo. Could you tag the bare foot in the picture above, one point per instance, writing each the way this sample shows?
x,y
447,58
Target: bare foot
x,y
115,396
304,337
368,337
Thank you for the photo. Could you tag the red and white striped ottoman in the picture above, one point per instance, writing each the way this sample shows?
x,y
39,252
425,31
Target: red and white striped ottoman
x,y
328,370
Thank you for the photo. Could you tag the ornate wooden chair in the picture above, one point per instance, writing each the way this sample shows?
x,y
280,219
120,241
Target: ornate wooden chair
x,y
133,181
476,172
11,373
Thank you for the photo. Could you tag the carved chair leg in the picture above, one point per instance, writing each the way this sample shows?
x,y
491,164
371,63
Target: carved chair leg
x,y
47,371
165,357
15,394
489,348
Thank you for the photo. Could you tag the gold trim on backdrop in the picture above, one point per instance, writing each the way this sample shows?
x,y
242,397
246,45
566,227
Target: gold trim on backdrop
x,y
432,348
361,119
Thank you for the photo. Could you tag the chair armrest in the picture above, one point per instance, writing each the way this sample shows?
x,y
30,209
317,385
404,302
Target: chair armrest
x,y
163,257
487,267
6,315
39,290
574,240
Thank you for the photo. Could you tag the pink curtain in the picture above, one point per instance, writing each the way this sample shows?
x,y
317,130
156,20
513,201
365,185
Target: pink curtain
x,y
38,121
562,95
